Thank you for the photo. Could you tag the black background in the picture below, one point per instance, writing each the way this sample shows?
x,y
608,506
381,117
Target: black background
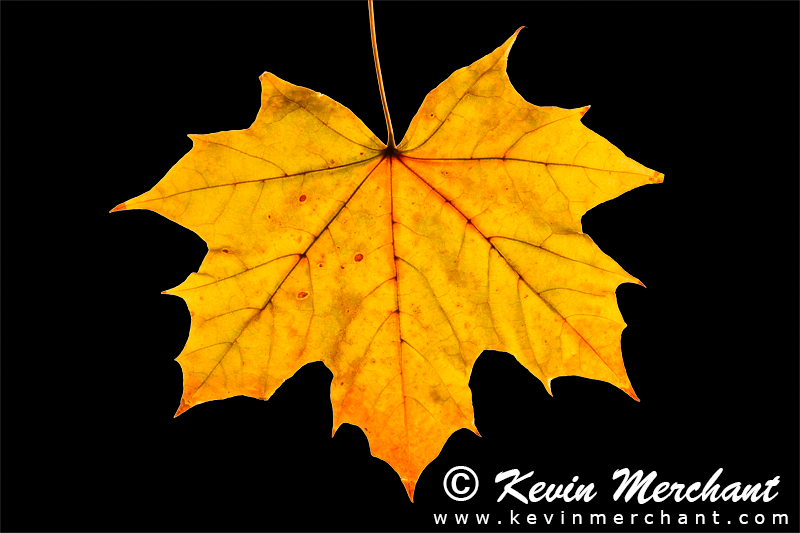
x,y
97,99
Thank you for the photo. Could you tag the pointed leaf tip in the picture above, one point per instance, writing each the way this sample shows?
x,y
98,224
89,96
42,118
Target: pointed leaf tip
x,y
182,409
510,42
410,487
629,391
120,207
548,387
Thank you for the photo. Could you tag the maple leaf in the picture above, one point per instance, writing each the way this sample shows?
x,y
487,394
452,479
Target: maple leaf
x,y
397,266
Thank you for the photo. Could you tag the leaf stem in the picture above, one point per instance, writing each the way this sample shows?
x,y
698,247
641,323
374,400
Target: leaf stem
x,y
390,142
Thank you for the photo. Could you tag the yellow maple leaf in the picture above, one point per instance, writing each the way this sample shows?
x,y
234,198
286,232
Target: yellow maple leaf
x,y
397,266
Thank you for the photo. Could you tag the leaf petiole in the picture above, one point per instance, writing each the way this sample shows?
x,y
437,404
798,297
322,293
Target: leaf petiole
x,y
390,142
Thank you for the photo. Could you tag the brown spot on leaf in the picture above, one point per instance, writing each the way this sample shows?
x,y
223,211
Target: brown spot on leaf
x,y
302,295
359,257
303,198
437,396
